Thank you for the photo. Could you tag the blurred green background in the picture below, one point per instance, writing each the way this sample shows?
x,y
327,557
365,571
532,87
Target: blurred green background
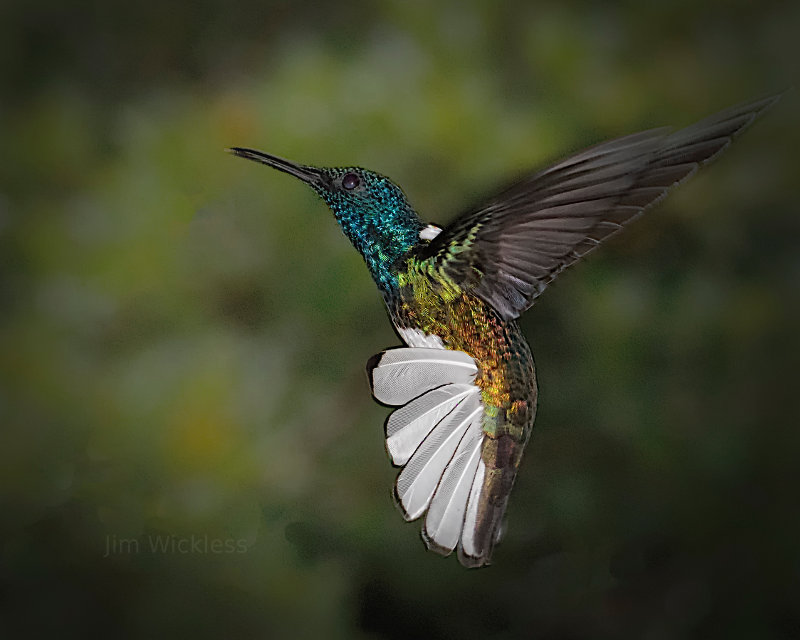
x,y
188,444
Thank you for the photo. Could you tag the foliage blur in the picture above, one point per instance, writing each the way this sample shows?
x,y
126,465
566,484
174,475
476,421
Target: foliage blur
x,y
184,334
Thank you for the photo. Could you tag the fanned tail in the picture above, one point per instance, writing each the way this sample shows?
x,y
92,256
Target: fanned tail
x,y
436,436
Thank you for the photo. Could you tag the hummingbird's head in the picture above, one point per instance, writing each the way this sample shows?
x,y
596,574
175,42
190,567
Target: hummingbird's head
x,y
372,211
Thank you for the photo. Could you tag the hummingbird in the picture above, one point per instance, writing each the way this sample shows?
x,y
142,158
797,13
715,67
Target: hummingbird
x,y
464,383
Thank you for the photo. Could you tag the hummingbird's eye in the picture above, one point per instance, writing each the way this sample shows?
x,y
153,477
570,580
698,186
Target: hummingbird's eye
x,y
350,181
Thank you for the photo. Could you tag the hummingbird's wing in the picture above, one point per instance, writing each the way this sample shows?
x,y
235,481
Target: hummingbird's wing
x,y
436,436
508,250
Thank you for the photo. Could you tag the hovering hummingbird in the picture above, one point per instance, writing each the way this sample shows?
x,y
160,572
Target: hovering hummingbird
x,y
465,383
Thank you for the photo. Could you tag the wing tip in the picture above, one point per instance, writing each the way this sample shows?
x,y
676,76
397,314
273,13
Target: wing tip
x,y
761,105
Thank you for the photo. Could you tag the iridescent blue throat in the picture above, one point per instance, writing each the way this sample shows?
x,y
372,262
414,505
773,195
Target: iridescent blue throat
x,y
381,225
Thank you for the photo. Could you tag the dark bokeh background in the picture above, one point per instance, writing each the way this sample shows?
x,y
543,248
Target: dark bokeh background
x,y
188,444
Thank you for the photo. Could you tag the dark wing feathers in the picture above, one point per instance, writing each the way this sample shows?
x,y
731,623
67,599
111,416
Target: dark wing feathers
x,y
511,248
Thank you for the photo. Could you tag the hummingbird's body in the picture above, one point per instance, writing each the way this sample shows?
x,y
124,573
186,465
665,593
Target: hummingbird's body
x,y
465,384
431,313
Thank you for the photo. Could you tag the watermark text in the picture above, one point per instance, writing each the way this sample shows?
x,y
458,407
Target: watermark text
x,y
177,545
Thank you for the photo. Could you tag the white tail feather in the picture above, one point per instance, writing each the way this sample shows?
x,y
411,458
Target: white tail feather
x,y
419,479
437,434
408,426
467,546
400,375
445,519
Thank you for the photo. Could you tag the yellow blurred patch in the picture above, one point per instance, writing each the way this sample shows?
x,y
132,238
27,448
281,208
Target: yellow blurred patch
x,y
201,435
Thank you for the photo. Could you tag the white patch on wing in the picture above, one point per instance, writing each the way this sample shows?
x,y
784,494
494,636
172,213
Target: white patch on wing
x,y
418,338
429,232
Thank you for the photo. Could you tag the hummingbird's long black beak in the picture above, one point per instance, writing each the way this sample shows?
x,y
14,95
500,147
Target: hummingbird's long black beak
x,y
309,175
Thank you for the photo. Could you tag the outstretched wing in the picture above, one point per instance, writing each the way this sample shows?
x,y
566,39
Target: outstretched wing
x,y
436,436
511,248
